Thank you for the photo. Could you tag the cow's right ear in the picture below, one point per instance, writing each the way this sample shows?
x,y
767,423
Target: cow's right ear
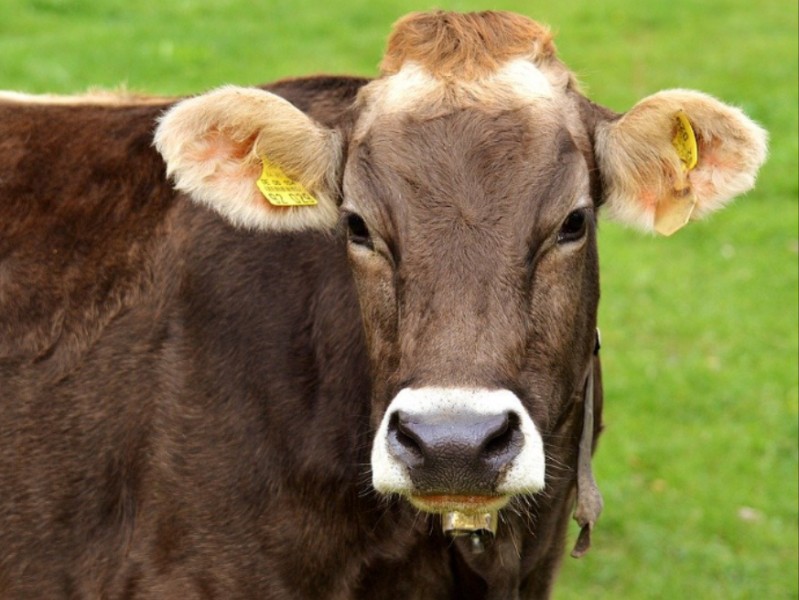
x,y
254,158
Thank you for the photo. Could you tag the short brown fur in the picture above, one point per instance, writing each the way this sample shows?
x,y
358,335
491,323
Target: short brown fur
x,y
465,46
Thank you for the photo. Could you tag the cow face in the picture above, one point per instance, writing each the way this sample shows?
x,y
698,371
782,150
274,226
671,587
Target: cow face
x,y
471,237
474,171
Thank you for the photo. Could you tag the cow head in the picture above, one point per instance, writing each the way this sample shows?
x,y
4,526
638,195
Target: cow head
x,y
468,182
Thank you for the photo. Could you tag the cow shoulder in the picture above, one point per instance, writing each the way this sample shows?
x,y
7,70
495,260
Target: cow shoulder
x,y
87,213
81,195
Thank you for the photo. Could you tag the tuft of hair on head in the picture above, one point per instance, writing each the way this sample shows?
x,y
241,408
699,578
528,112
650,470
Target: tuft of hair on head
x,y
465,46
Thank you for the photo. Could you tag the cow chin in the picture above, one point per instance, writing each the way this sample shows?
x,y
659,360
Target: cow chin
x,y
445,503
457,449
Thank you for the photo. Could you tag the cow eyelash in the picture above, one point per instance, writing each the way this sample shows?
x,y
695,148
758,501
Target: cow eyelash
x,y
574,227
357,231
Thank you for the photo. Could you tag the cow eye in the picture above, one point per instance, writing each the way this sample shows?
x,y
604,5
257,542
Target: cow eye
x,y
573,227
357,231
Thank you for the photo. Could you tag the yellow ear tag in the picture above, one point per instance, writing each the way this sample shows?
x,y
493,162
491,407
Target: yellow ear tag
x,y
672,214
279,189
684,142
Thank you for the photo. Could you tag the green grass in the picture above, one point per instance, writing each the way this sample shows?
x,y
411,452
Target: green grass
x,y
699,460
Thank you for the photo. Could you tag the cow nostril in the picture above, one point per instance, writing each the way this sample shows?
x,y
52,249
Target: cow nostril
x,y
402,440
404,435
506,435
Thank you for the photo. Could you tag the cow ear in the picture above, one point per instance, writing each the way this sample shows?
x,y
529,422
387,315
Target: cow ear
x,y
224,147
675,156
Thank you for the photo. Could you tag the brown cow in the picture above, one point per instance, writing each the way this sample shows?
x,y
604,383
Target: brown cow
x,y
368,304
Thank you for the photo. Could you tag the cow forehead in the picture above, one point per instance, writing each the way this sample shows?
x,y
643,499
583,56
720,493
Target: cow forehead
x,y
473,166
465,152
415,90
470,109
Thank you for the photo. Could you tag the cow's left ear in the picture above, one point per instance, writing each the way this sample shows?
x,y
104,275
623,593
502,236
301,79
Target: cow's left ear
x,y
254,158
675,156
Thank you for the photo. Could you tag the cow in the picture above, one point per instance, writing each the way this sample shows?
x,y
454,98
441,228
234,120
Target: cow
x,y
328,338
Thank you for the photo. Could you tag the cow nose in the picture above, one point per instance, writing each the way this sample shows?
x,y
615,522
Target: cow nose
x,y
463,452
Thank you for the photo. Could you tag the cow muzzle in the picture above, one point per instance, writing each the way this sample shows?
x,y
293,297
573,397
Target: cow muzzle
x,y
457,449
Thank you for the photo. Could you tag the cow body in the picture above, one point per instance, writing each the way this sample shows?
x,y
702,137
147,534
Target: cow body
x,y
183,400
193,407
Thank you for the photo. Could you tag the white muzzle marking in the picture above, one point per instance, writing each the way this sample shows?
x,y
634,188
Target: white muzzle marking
x,y
526,472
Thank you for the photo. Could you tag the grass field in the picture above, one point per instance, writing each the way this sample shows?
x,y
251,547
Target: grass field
x,y
699,460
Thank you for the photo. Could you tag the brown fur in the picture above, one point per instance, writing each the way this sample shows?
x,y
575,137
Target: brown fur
x,y
465,46
176,389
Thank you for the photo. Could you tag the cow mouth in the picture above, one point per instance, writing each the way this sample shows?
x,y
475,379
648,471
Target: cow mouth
x,y
467,504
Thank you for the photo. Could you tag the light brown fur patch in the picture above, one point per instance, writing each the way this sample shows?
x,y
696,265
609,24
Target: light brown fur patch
x,y
120,96
465,46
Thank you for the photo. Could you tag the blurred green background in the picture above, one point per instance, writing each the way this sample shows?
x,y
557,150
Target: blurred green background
x,y
698,463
